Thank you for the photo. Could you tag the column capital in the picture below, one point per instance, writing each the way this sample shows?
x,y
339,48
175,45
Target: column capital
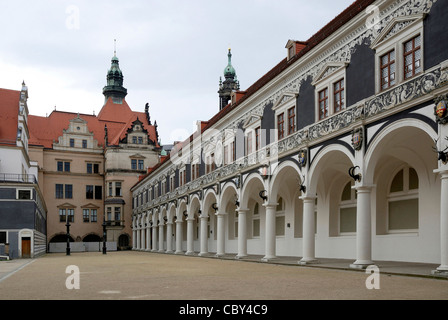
x,y
270,205
243,210
442,172
364,188
308,198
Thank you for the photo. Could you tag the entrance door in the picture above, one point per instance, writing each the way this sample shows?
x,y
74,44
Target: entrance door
x,y
26,247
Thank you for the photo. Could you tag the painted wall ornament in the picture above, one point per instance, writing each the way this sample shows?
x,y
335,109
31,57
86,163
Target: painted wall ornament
x,y
302,158
357,139
440,109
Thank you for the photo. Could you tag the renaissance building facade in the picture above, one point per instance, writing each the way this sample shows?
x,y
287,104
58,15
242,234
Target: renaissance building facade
x,y
86,165
339,151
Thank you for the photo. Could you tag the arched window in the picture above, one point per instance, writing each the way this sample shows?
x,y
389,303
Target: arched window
x,y
403,201
280,218
347,210
256,221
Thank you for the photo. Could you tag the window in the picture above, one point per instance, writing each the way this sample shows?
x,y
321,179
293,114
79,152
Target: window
x,y
71,215
226,154
140,140
249,142
89,192
93,215
85,215
403,201
93,168
280,218
98,192
24,194
399,50
347,210
338,92
134,164
109,213
72,143
233,151
141,165
412,57
117,212
3,237
63,166
134,140
291,120
59,191
118,189
388,70
62,215
257,138
323,104
110,189
256,221
281,126
68,191
84,144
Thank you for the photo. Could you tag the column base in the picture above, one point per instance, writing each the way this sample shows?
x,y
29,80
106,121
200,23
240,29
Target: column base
x,y
441,271
169,251
219,255
189,253
240,256
148,250
154,250
268,258
203,254
179,252
361,264
305,261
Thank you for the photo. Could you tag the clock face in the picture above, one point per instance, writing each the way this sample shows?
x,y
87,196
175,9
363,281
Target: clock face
x,y
218,153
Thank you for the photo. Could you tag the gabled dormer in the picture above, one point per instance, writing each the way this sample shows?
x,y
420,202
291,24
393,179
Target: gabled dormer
x,y
77,136
137,135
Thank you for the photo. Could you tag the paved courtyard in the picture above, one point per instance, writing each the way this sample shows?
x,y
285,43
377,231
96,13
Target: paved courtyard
x,y
131,275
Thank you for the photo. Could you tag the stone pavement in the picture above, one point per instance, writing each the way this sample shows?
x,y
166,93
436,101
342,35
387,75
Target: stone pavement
x,y
133,275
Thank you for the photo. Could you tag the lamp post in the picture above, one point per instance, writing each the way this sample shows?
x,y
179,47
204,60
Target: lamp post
x,y
104,235
67,250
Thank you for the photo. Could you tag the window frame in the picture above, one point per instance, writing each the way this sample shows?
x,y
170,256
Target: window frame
x,y
336,74
403,195
386,43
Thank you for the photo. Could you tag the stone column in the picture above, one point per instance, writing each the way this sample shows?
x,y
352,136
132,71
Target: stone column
x,y
154,237
179,236
139,237
309,231
190,244
443,268
221,234
134,238
204,235
270,232
148,237
363,228
143,236
169,237
242,236
161,236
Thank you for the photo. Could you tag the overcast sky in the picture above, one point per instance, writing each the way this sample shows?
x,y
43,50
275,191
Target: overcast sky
x,y
171,52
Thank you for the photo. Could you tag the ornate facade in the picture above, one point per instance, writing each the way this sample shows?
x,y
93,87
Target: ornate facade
x,y
337,152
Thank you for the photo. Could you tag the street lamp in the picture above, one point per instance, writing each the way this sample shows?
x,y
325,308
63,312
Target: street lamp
x,y
104,235
67,250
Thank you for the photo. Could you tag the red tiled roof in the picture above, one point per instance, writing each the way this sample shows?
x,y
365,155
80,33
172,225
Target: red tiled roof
x,y
9,113
117,117
305,46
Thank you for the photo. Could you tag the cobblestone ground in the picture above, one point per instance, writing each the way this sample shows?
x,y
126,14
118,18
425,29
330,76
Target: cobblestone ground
x,y
150,276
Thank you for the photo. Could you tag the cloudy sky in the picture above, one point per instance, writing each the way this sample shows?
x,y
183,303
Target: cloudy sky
x,y
172,52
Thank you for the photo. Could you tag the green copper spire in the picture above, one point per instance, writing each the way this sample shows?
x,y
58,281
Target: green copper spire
x,y
229,71
229,85
114,88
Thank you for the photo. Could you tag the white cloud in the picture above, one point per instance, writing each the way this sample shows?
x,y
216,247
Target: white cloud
x,y
171,52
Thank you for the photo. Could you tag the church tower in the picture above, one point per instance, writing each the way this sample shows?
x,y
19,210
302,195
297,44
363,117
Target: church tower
x,y
114,88
229,85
